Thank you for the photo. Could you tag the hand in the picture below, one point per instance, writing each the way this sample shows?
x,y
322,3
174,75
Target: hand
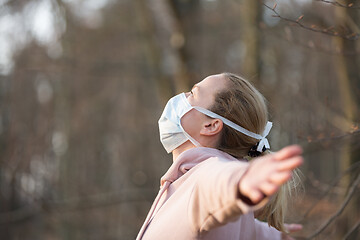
x,y
290,228
267,173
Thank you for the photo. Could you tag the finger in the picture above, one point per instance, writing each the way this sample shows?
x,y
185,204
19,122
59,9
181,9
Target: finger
x,y
293,227
268,188
288,152
280,177
256,196
290,164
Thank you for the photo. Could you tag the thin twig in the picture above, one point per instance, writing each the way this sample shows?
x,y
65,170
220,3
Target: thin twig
x,y
76,204
327,31
331,186
337,4
340,210
311,45
333,138
323,187
356,225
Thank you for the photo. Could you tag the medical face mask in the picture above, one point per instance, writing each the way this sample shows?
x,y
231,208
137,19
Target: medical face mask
x,y
172,134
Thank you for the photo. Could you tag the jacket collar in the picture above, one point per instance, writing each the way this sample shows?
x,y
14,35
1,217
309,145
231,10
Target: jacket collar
x,y
190,158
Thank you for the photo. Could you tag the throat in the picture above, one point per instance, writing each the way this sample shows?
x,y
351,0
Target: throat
x,y
182,148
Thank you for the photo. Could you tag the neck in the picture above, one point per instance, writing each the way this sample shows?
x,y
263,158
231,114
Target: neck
x,y
182,148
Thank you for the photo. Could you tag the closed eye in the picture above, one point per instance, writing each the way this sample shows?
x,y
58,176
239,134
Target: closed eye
x,y
192,89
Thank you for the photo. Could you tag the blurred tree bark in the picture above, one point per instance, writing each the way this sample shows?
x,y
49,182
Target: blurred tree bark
x,y
62,122
152,51
348,76
177,45
250,18
164,43
172,38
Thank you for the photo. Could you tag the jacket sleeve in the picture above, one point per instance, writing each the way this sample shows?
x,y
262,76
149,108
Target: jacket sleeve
x,y
266,232
215,198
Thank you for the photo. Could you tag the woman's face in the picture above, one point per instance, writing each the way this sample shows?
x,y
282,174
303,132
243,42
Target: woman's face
x,y
201,95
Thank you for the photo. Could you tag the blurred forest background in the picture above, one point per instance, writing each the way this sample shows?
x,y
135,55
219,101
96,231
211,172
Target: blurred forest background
x,y
83,83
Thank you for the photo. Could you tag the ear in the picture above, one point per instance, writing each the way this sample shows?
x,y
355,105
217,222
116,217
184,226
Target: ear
x,y
211,127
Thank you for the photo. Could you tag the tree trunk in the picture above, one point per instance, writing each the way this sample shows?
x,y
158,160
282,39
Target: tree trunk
x,y
152,51
348,76
250,17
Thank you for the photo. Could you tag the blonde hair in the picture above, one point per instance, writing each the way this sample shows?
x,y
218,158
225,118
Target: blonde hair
x,y
242,104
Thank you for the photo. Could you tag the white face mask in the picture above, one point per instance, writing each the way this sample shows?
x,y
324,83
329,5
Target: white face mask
x,y
172,134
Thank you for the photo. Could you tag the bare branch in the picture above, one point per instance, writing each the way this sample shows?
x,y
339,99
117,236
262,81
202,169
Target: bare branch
x,y
330,187
333,138
323,187
310,44
328,31
76,204
20,214
351,192
337,4
356,225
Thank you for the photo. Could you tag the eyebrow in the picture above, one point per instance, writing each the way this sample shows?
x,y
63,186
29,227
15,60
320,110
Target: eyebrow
x,y
194,86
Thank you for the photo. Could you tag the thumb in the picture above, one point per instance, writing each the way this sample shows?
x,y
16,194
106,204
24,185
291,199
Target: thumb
x,y
293,227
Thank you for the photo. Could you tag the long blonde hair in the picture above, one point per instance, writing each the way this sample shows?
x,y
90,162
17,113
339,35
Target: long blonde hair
x,y
242,104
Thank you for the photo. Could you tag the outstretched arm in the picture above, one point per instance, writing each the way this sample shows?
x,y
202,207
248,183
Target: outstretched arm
x,y
226,189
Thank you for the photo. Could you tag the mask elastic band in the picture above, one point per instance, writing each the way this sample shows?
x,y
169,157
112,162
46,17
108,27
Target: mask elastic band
x,y
263,140
196,143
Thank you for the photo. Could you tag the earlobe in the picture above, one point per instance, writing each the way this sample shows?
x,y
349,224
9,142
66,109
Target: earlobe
x,y
212,127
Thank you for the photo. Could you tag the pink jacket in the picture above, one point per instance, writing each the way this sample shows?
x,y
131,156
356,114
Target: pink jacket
x,y
198,199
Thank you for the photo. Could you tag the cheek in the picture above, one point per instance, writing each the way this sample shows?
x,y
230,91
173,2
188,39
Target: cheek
x,y
191,122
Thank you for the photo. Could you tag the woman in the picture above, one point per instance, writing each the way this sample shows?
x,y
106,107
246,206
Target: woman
x,y
210,191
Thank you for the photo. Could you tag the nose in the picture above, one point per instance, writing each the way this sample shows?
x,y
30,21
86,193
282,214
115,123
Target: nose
x,y
187,94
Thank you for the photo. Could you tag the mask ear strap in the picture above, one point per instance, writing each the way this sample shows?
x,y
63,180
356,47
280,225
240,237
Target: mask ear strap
x,y
263,140
267,129
196,143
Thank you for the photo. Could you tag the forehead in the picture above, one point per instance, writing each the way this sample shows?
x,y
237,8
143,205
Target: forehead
x,y
213,83
209,87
